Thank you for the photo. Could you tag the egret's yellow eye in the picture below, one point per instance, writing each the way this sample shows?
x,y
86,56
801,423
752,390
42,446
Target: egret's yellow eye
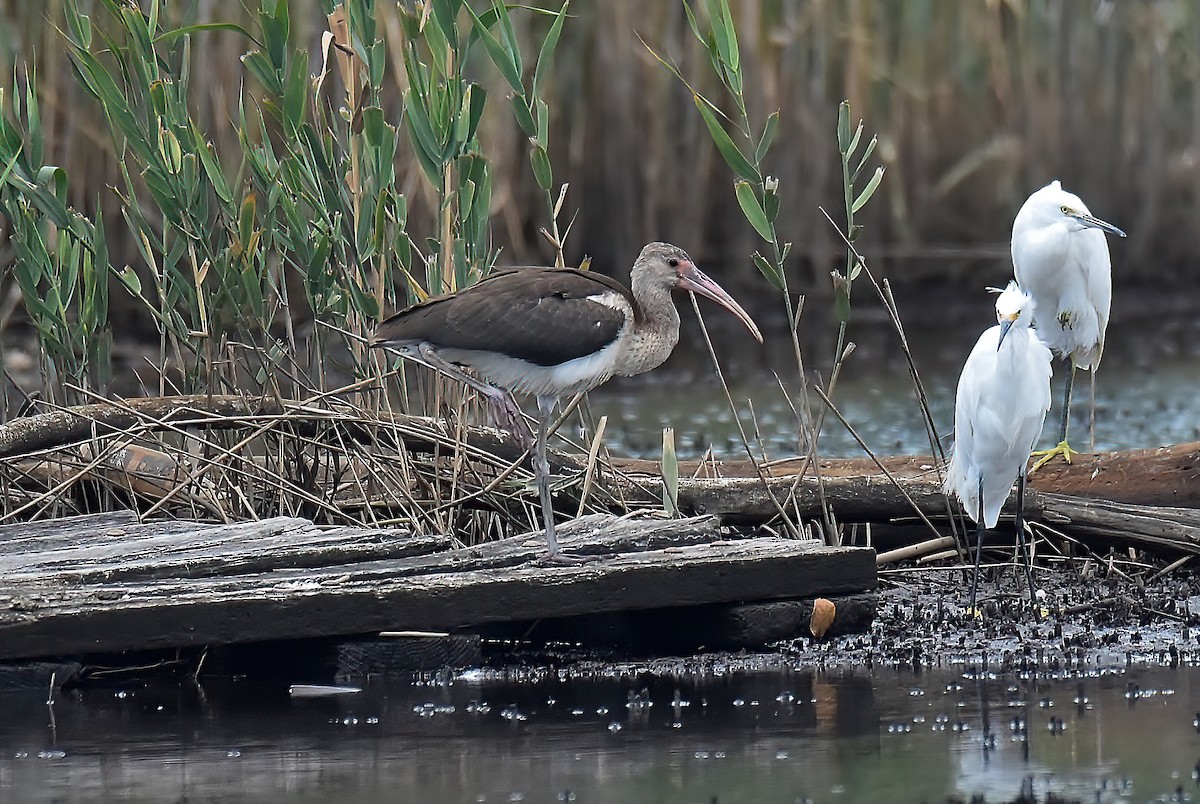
x,y
1066,210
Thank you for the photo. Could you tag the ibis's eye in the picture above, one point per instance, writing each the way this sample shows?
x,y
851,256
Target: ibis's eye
x,y
1066,210
674,263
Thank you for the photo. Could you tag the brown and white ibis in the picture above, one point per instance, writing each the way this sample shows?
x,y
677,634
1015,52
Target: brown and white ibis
x,y
552,332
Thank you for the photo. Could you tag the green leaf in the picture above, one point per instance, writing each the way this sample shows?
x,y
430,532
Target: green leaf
x,y
547,50
843,127
375,128
863,162
130,280
262,69
543,122
773,274
867,191
753,211
768,137
724,33
771,204
541,167
841,297
523,116
445,14
670,473
730,152
79,24
504,62
511,45
168,37
474,101
296,92
854,140
33,119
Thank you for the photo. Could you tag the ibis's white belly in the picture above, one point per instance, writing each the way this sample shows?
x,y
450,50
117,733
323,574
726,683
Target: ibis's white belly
x,y
518,376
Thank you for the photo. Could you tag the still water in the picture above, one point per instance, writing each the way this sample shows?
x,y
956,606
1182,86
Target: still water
x,y
1145,392
753,731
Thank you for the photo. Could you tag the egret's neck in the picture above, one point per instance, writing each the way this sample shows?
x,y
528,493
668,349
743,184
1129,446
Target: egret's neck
x,y
651,338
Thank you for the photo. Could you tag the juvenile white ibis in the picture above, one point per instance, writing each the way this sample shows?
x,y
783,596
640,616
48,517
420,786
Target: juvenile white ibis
x,y
552,332
999,409
1061,259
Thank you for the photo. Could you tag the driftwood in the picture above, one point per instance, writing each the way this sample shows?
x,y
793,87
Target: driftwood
x,y
122,585
1146,498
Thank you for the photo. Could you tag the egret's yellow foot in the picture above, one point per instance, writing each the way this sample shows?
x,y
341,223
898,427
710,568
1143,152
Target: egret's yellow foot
x,y
1046,455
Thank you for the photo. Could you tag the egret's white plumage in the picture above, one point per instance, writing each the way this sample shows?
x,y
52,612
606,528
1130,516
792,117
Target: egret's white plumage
x,y
1003,395
1061,259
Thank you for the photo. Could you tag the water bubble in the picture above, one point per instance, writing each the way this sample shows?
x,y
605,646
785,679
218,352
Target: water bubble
x,y
513,714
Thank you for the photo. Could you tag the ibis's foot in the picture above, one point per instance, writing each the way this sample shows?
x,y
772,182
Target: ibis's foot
x,y
1044,456
509,417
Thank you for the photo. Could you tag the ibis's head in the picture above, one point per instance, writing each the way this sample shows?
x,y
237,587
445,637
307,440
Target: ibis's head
x,y
670,266
1013,307
1053,205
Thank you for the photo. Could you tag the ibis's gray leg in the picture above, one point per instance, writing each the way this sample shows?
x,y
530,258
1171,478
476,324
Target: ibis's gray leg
x,y
1026,557
505,408
978,548
541,465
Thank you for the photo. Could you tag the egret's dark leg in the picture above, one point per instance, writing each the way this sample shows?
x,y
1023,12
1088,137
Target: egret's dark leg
x,y
1026,557
978,548
505,408
1062,448
1066,411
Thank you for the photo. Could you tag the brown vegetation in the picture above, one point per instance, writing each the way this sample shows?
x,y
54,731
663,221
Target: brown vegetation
x,y
976,104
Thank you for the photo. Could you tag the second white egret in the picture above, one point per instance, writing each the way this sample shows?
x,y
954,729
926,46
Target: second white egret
x,y
1061,259
999,409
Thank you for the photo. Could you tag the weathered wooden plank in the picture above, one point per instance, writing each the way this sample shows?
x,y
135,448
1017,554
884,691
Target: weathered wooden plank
x,y
156,550
90,617
28,532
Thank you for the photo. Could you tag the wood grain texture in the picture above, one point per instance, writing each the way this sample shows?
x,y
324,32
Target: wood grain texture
x,y
110,588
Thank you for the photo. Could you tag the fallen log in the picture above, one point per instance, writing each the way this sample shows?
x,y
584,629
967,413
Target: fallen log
x,y
1145,497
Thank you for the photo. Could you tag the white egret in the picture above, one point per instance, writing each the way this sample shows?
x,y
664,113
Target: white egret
x,y
1003,395
1061,259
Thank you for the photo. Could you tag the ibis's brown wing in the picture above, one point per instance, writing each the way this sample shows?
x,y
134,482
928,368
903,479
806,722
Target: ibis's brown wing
x,y
543,316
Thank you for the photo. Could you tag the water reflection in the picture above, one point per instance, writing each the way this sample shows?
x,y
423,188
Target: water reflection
x,y
753,730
